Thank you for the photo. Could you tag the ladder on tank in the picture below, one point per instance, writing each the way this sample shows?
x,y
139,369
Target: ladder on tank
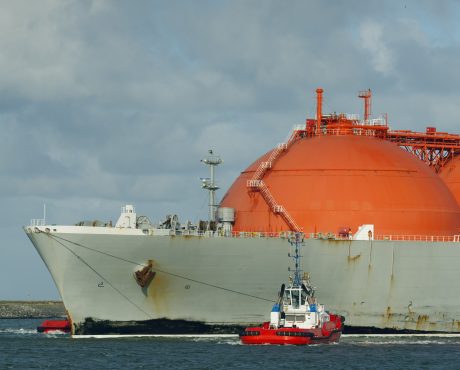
x,y
256,184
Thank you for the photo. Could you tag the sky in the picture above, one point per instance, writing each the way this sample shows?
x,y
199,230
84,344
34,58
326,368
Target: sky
x,y
106,103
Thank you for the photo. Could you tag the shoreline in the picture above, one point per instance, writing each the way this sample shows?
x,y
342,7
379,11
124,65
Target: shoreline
x,y
31,309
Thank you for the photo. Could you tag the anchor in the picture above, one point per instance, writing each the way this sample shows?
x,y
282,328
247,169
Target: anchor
x,y
145,275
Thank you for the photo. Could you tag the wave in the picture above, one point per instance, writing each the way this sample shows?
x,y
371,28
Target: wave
x,y
18,331
407,339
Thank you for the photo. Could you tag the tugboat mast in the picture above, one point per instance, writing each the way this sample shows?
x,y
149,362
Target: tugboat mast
x,y
297,241
208,183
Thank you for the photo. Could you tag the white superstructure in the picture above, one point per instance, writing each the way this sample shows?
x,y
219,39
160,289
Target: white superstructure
x,y
127,218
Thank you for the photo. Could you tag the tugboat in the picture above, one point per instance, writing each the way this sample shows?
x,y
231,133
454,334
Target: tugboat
x,y
296,318
54,326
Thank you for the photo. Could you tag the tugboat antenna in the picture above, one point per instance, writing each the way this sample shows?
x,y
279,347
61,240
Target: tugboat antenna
x,y
208,183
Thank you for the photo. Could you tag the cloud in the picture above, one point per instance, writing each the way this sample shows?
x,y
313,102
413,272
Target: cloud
x,y
372,40
105,102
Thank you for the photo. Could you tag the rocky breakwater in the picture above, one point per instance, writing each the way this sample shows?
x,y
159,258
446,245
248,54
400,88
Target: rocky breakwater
x,y
31,309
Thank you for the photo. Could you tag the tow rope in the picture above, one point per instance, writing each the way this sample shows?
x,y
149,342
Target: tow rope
x,y
59,238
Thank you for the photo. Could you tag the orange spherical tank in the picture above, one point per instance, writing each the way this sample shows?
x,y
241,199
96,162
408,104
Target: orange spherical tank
x,y
451,176
327,183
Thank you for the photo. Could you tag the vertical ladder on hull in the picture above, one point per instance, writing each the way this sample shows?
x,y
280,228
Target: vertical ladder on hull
x,y
256,184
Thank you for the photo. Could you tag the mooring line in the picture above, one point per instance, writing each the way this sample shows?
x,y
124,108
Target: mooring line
x,y
159,270
103,278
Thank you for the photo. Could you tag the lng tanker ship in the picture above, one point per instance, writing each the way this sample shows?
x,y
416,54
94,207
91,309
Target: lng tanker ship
x,y
378,210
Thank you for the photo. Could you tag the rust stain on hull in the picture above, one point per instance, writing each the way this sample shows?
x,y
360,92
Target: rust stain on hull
x,y
353,258
388,313
155,293
422,321
145,275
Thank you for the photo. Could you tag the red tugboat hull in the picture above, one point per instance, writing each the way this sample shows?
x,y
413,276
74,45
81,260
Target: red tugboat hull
x,y
53,326
329,333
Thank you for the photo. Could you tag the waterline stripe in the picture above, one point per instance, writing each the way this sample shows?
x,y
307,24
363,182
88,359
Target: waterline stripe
x,y
109,336
103,336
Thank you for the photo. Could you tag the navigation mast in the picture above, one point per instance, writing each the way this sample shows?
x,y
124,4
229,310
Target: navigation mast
x,y
208,182
296,241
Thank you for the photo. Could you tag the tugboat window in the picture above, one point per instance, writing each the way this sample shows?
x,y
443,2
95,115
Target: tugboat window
x,y
303,298
295,298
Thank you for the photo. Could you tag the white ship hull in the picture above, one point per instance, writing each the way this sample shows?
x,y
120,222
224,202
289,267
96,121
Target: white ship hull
x,y
234,281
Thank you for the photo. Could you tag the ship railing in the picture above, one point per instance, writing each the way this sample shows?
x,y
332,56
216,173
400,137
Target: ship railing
x,y
419,238
128,209
332,236
379,121
193,233
293,132
318,235
358,131
352,116
37,222
261,234
254,183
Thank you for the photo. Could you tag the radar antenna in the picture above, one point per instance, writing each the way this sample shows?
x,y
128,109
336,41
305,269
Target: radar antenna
x,y
208,182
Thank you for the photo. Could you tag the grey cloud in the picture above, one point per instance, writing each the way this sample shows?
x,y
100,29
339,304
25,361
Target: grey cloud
x,y
106,102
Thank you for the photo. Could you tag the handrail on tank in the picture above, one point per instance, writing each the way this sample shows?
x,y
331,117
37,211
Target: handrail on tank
x,y
360,130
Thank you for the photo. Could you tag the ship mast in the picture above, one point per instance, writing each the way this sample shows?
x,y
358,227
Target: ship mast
x,y
296,241
208,183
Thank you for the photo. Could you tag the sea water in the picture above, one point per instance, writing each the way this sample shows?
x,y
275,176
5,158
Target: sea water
x,y
21,347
